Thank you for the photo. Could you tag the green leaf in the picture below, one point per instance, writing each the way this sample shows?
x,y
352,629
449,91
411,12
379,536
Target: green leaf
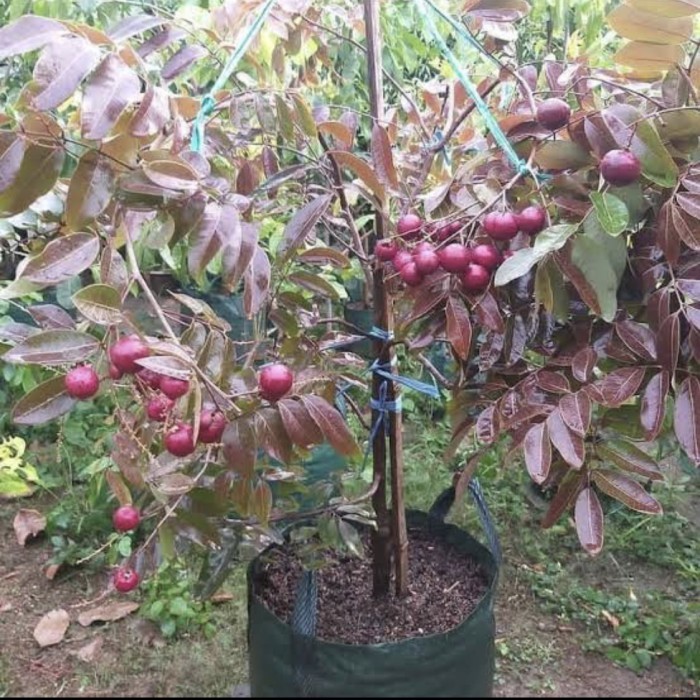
x,y
124,546
99,303
592,260
554,238
517,265
611,212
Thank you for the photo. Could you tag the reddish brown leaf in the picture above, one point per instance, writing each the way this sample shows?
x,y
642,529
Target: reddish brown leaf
x,y
461,482
666,235
627,491
552,381
50,316
668,343
362,170
331,424
583,363
459,327
686,417
257,282
629,457
538,452
692,314
28,33
588,515
620,385
690,288
43,403
575,410
570,445
272,436
240,447
653,406
153,113
686,222
486,428
638,338
659,307
382,157
564,497
302,225
300,427
181,60
489,314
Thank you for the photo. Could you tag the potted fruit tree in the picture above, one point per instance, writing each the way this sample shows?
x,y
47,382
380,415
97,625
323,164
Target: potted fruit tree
x,y
553,250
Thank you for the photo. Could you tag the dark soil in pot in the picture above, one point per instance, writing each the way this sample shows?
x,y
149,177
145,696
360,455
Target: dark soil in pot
x,y
444,589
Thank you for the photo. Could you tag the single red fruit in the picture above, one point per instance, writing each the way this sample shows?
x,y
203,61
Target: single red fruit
x,y
455,257
409,226
211,426
126,351
401,258
114,372
554,113
501,225
179,440
125,579
147,377
427,261
531,220
275,381
126,518
421,247
410,274
476,278
487,256
82,382
620,167
174,388
158,407
386,250
455,227
442,233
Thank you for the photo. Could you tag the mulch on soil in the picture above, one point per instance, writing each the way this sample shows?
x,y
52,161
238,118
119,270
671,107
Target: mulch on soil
x,y
444,589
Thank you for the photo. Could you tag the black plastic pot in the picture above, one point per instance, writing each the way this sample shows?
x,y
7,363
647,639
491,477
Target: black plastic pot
x,y
359,315
459,663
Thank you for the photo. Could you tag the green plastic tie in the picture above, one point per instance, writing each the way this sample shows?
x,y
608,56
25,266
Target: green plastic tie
x,y
519,164
209,102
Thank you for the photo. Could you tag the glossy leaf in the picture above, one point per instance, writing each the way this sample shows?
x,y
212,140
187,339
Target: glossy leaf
x,y
653,405
583,363
563,498
638,338
90,190
459,327
687,225
626,491
257,282
62,259
538,452
588,516
109,90
629,457
132,25
620,385
555,382
152,114
45,402
686,417
362,170
298,423
569,445
594,278
488,313
240,447
301,225
611,212
261,502
54,347
181,60
27,34
62,66
575,410
11,154
382,157
204,243
99,303
668,343
50,316
324,256
331,424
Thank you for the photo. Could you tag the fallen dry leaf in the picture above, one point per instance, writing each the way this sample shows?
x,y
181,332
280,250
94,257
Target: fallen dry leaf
x,y
28,523
221,597
109,612
51,571
90,651
613,621
51,628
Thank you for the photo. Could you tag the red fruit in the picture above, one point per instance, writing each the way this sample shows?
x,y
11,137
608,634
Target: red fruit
x,y
126,351
620,167
455,226
476,278
409,226
82,382
554,113
386,250
401,258
179,440
158,407
455,257
531,220
149,378
211,426
501,225
442,233
173,388
427,261
275,381
115,372
487,256
421,247
126,518
125,579
410,275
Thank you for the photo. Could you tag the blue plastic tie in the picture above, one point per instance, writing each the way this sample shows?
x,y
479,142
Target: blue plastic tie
x,y
384,371
501,139
380,334
209,101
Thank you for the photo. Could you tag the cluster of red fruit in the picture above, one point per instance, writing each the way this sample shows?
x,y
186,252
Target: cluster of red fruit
x,y
125,519
163,391
473,265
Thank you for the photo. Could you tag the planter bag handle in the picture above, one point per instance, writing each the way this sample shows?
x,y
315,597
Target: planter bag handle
x,y
306,603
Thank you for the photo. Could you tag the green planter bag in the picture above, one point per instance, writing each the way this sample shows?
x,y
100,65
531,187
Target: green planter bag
x,y
287,660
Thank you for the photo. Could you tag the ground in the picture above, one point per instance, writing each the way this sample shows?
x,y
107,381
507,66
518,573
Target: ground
x,y
539,654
